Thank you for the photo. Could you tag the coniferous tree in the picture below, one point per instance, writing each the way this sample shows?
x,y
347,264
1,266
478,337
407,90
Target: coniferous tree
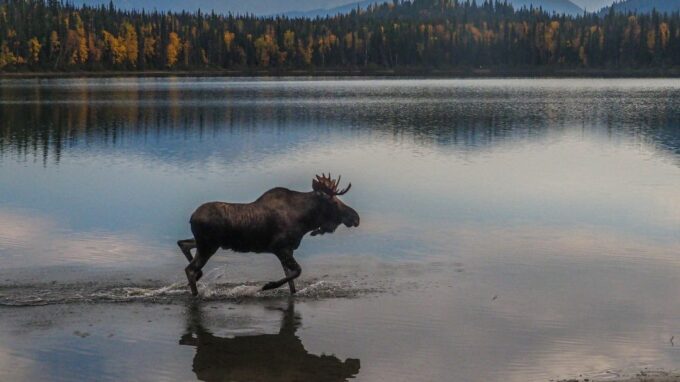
x,y
446,34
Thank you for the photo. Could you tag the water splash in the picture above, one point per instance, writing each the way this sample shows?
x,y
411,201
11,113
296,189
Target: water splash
x,y
209,290
335,281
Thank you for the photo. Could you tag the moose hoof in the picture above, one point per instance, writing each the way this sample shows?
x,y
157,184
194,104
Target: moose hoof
x,y
270,285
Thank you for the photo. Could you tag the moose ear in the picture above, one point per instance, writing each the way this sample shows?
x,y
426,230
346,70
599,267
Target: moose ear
x,y
315,185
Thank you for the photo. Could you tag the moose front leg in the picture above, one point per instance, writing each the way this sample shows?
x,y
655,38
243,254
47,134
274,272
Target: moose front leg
x,y
291,283
290,267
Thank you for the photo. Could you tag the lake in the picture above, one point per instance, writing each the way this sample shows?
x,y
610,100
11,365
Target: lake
x,y
511,229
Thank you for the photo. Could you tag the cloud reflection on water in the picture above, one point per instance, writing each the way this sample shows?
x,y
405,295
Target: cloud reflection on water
x,y
30,240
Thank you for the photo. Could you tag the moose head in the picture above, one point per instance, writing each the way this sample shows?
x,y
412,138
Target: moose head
x,y
335,212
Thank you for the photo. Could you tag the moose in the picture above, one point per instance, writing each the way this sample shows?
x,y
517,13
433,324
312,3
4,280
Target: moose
x,y
274,223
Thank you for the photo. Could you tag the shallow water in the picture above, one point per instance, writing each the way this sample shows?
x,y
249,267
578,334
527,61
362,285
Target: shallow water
x,y
511,229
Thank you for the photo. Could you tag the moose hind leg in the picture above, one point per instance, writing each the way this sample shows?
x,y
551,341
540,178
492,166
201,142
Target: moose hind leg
x,y
186,246
193,270
292,270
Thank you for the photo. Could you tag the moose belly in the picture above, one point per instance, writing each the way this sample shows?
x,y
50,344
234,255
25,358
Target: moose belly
x,y
250,241
246,246
264,243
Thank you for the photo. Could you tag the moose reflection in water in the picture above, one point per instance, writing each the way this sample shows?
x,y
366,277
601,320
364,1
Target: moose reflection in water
x,y
275,223
264,357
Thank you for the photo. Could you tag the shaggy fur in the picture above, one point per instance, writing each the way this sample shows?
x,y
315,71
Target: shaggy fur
x,y
275,223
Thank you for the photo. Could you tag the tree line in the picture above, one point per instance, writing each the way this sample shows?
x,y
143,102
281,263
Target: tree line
x,y
49,35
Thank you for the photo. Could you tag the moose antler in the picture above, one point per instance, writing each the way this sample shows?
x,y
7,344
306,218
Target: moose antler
x,y
328,185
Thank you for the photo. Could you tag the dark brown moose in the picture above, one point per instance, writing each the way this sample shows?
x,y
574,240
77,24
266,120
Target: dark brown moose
x,y
275,223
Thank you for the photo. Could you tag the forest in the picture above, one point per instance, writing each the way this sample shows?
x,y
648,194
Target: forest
x,y
50,35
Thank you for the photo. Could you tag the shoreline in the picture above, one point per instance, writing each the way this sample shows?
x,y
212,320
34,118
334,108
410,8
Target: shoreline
x,y
359,73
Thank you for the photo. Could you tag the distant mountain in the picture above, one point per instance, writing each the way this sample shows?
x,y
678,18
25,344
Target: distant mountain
x,y
557,6
593,5
642,6
323,12
258,7
296,8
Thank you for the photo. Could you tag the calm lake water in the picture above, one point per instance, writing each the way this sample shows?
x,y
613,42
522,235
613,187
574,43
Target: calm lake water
x,y
514,230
